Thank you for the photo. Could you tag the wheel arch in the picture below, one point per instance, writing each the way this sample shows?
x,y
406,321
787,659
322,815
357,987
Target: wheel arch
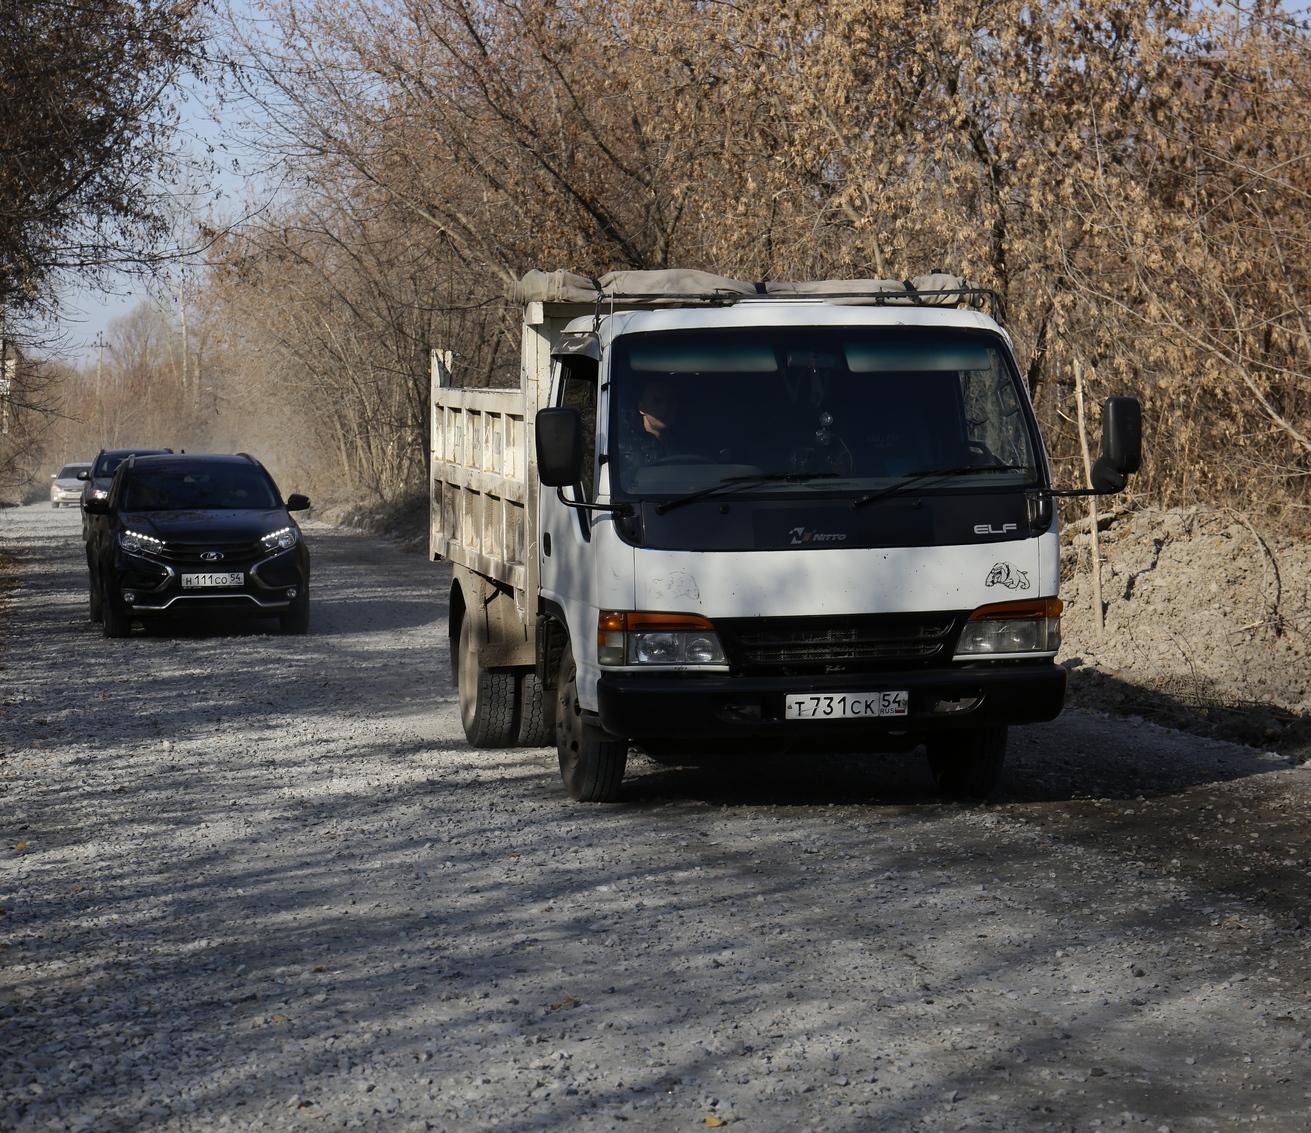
x,y
454,618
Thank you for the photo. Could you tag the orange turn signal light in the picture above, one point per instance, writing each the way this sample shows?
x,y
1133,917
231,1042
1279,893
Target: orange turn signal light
x,y
1027,608
619,621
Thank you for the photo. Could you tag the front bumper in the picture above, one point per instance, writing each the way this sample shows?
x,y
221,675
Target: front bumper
x,y
681,706
269,584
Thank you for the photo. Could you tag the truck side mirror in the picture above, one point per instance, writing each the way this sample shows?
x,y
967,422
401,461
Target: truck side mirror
x,y
1122,444
297,502
97,507
559,446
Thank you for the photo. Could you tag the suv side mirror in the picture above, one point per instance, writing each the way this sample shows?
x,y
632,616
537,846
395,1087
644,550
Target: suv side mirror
x,y
85,474
97,506
297,502
1122,443
559,446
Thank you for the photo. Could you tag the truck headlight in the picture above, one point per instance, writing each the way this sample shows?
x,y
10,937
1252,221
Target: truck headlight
x,y
639,638
1007,628
283,539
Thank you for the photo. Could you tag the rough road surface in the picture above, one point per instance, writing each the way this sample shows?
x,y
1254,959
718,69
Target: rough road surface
x,y
259,882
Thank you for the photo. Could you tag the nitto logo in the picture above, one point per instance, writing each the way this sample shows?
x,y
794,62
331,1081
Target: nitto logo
x,y
802,536
988,529
1007,575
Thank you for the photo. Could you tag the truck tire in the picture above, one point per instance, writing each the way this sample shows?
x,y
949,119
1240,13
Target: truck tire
x,y
591,761
967,763
536,712
488,697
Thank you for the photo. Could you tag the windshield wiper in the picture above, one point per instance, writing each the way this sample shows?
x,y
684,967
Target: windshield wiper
x,y
733,483
913,478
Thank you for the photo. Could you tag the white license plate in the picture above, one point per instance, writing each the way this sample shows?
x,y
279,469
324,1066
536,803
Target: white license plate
x,y
845,705
194,581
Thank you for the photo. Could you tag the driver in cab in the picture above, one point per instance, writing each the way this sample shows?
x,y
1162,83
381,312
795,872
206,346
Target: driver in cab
x,y
658,436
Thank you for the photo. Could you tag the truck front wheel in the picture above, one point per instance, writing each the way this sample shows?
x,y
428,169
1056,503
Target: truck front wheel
x,y
967,763
487,696
591,761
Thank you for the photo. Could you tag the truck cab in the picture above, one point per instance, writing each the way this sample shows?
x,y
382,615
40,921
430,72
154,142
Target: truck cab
x,y
776,522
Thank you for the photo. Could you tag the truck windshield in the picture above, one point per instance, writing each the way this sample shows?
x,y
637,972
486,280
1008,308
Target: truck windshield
x,y
805,409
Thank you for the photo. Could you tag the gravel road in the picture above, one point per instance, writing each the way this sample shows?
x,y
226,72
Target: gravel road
x,y
259,882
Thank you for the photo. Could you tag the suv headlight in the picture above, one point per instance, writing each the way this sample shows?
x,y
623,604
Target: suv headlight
x,y
283,539
1008,628
100,493
637,638
139,543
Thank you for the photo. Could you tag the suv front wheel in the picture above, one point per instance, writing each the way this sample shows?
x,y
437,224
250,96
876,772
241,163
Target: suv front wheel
x,y
114,620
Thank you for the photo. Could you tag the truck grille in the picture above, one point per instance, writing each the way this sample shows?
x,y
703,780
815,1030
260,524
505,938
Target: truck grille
x,y
859,643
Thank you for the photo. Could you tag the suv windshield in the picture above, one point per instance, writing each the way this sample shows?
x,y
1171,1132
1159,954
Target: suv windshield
x,y
209,486
801,409
106,465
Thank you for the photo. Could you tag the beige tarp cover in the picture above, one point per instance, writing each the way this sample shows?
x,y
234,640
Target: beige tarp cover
x,y
570,287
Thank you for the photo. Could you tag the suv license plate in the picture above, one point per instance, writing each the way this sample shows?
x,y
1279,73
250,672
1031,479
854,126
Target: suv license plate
x,y
193,581
845,705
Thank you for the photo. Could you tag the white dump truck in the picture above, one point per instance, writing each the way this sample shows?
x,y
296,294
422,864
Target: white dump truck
x,y
720,516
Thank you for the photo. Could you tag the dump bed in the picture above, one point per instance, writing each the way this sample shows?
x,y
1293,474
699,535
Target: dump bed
x,y
484,485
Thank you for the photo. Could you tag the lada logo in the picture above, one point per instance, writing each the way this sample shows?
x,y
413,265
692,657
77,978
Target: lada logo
x,y
211,556
804,536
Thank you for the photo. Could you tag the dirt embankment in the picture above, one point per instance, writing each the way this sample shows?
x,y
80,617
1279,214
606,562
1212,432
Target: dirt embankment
x,y
1207,624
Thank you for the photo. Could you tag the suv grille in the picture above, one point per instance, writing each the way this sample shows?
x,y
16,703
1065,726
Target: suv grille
x,y
858,643
189,553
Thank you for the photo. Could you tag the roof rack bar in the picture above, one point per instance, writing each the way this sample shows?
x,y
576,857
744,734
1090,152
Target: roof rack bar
x,y
976,297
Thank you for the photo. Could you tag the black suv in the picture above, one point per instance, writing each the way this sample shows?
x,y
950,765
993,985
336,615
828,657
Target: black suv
x,y
197,532
97,480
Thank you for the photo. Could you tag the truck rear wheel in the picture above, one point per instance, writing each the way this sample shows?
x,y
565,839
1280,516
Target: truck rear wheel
x,y
591,761
536,712
967,763
487,696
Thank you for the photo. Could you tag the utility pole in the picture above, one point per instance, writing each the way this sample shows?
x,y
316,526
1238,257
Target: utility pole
x,y
100,388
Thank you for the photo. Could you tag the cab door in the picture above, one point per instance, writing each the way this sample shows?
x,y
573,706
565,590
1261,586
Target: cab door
x,y
584,566
565,551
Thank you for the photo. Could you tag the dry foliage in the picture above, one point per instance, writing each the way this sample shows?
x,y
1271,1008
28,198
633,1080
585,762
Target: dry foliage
x,y
86,126
1132,177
